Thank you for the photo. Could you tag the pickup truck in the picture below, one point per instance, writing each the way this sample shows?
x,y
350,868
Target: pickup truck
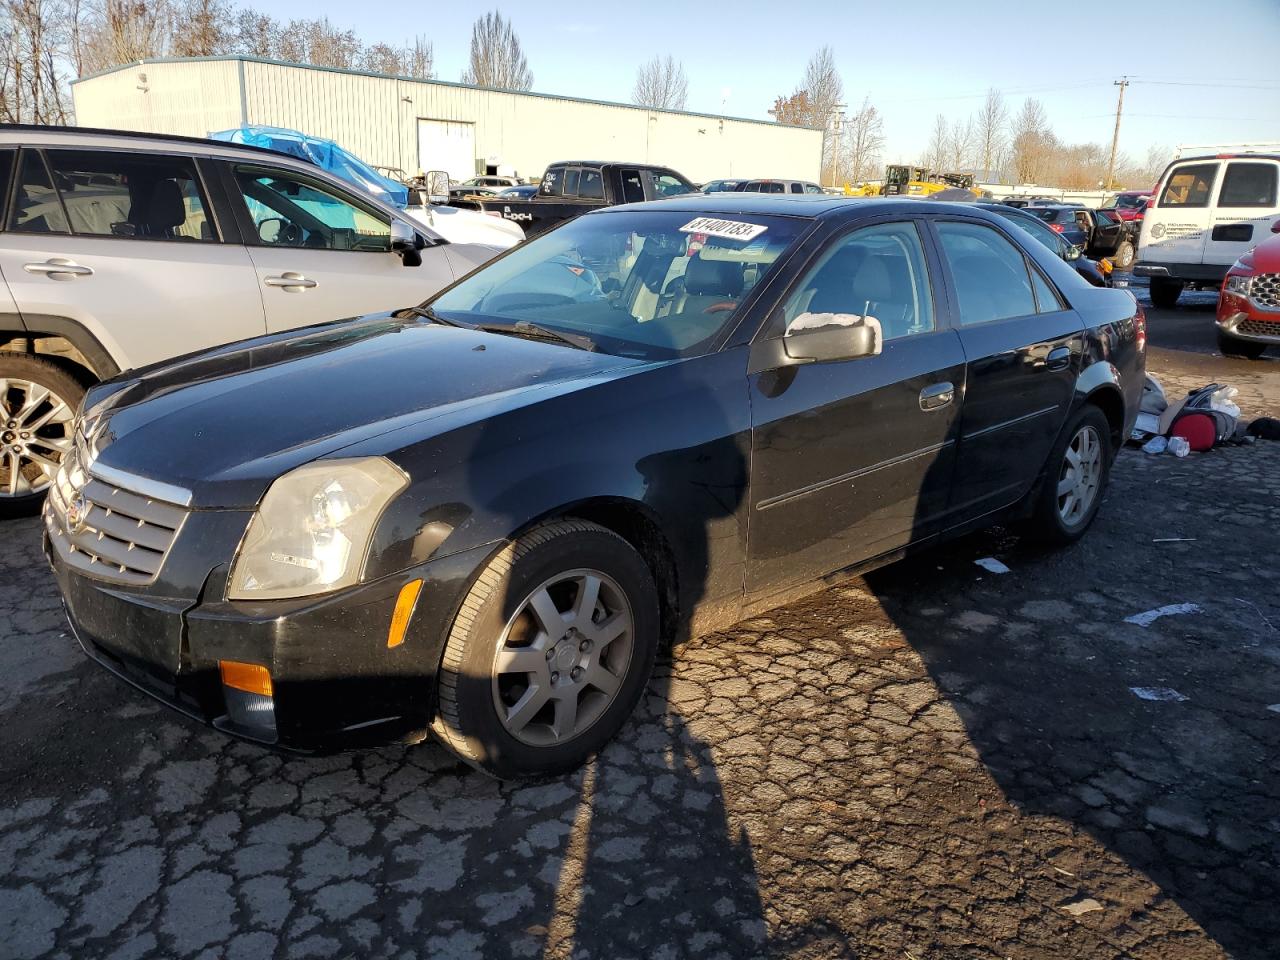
x,y
574,187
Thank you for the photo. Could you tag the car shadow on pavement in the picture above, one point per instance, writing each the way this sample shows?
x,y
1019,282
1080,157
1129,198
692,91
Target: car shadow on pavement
x,y
1175,779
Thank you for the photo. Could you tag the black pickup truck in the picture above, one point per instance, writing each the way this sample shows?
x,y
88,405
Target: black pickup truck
x,y
574,187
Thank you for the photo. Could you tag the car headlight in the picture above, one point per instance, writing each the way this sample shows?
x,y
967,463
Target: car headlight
x,y
312,530
1238,285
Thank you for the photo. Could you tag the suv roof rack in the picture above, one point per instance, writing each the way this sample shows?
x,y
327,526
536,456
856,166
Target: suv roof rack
x,y
143,135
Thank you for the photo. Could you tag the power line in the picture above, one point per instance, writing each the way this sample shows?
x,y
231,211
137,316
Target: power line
x,y
1187,83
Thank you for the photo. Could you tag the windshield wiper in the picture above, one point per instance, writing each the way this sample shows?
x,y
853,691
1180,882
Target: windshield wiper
x,y
428,314
523,328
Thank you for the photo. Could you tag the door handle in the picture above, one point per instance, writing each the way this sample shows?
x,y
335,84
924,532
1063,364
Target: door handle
x,y
291,281
1059,358
59,268
936,396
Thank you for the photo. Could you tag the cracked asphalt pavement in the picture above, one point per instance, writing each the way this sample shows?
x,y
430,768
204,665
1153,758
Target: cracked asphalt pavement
x,y
930,762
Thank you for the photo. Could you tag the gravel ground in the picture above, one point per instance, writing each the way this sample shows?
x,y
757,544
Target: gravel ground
x,y
931,762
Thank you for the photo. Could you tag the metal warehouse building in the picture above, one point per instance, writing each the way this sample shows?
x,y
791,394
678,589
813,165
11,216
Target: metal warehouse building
x,y
425,125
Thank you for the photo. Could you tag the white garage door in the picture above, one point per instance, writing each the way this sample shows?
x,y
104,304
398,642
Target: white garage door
x,y
447,145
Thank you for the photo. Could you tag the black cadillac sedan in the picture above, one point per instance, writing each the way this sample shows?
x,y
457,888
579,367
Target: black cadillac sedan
x,y
483,516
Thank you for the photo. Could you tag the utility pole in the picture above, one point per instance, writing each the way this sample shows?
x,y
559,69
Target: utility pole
x,y
1115,137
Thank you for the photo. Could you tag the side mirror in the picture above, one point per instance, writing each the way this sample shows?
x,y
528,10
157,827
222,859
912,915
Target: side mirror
x,y
826,337
269,229
407,242
438,186
1074,251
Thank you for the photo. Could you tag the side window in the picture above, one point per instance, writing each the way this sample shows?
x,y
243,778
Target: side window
x,y
36,207
1248,185
1035,228
553,181
290,211
590,186
1189,186
877,272
6,171
989,272
797,188
632,187
1047,299
571,176
131,195
665,185
812,188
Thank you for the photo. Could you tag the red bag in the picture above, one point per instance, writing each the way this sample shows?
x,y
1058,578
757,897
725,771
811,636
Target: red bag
x,y
1199,430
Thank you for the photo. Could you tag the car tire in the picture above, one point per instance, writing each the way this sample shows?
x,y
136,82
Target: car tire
x,y
1073,471
531,683
29,457
1123,257
1165,293
1234,347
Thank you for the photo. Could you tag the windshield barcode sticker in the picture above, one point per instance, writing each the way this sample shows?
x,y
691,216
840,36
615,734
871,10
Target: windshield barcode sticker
x,y
724,229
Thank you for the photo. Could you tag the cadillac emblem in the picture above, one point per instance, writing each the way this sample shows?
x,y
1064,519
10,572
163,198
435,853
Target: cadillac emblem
x,y
77,513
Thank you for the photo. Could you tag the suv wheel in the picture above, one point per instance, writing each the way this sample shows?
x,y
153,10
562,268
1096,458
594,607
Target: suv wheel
x,y
1074,478
1233,347
1165,293
1124,255
38,402
549,653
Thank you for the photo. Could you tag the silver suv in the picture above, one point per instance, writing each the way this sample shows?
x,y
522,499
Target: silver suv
x,y
118,250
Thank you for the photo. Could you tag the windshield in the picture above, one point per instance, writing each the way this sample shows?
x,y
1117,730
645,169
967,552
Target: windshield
x,y
1125,201
653,285
1047,214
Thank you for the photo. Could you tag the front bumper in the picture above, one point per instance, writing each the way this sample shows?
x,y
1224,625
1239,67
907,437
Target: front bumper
x,y
1240,318
335,681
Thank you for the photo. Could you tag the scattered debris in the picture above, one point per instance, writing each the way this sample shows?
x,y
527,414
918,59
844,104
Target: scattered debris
x,y
1174,540
992,565
1065,873
1155,446
1169,610
1158,693
1080,906
1179,446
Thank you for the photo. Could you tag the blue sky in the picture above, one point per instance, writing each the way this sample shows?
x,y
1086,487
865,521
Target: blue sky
x,y
739,56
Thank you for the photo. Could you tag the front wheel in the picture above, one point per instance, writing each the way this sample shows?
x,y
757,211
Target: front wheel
x,y
1232,347
38,401
1075,476
1123,258
549,653
1165,293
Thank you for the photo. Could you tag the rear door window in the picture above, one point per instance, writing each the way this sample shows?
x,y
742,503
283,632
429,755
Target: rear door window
x,y
1248,185
632,186
571,177
109,194
797,188
1189,186
989,272
590,186
36,207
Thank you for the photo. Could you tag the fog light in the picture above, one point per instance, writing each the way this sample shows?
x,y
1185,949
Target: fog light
x,y
247,692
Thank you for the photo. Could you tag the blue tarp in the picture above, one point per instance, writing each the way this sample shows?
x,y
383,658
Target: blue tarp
x,y
323,153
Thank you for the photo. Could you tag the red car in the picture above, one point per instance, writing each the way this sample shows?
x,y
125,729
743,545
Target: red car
x,y
1249,304
1130,204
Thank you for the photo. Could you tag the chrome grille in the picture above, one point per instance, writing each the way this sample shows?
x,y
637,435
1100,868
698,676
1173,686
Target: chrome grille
x,y
114,533
1264,291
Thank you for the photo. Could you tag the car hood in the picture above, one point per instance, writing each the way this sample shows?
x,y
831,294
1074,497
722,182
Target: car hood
x,y
468,226
225,423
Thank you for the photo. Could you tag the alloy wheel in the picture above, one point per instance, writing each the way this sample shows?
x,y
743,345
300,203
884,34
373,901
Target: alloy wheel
x,y
35,434
1080,477
562,657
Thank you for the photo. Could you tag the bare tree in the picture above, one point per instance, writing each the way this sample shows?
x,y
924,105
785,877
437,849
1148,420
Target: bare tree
x,y
824,90
202,28
935,157
864,138
960,140
35,62
254,34
497,59
990,131
319,42
795,110
415,61
661,85
121,31
1032,143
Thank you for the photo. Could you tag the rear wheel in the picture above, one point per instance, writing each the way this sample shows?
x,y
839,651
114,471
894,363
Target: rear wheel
x,y
1074,479
38,402
1124,255
1233,347
550,652
1165,293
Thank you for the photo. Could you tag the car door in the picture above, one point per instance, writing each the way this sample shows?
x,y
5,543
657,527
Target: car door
x,y
1177,222
1023,347
1107,231
320,253
854,458
1245,208
128,246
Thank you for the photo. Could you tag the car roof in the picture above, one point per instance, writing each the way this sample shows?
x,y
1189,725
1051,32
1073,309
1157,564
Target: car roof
x,y
806,205
25,133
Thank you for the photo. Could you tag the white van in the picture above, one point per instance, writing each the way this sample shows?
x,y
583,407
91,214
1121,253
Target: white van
x,y
1205,214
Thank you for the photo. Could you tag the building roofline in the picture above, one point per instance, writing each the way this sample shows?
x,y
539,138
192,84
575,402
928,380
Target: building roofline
x,y
442,83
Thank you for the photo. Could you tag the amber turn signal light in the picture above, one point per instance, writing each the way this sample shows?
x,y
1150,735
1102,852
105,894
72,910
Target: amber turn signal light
x,y
249,677
405,603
